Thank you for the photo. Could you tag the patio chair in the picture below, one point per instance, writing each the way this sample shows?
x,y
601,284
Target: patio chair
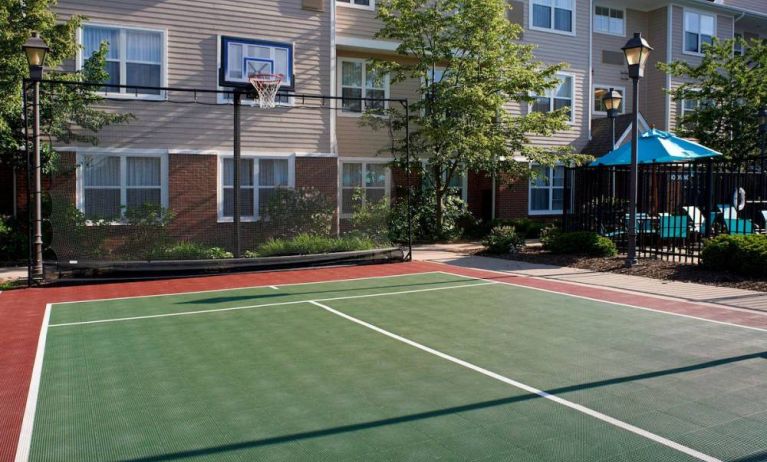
x,y
728,211
739,226
673,226
698,221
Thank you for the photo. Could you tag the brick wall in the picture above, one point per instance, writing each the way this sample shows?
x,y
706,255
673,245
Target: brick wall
x,y
511,198
192,197
6,190
480,195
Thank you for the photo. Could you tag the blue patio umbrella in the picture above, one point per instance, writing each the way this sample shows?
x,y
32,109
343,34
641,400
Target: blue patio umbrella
x,y
655,147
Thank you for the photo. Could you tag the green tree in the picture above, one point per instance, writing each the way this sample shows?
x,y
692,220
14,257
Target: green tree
x,y
728,90
471,68
68,113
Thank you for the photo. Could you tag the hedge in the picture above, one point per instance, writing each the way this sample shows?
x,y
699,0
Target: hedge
x,y
578,242
746,255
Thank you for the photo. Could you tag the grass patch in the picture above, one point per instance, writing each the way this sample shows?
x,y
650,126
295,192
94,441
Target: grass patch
x,y
307,244
190,251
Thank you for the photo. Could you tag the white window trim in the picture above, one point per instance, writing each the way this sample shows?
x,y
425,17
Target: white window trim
x,y
608,87
684,31
80,180
339,86
220,218
550,211
571,122
594,15
552,29
351,4
365,161
163,60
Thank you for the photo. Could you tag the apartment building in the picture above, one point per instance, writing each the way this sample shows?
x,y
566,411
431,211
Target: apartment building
x,y
181,156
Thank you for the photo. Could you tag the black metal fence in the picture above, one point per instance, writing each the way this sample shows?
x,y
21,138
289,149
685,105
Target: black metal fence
x,y
678,205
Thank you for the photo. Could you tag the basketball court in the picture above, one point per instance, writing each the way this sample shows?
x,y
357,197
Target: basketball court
x,y
417,362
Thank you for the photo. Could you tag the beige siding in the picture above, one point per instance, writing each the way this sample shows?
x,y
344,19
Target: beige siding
x,y
553,48
192,28
653,99
358,141
759,6
356,22
724,31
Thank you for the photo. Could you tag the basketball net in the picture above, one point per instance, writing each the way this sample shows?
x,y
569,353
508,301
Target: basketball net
x,y
266,86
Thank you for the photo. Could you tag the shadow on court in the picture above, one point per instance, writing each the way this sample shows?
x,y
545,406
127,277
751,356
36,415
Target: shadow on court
x,y
451,410
281,293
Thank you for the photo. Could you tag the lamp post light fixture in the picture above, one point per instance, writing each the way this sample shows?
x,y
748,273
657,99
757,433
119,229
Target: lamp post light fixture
x,y
36,49
611,100
636,50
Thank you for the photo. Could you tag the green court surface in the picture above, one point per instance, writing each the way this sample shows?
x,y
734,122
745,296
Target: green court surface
x,y
418,367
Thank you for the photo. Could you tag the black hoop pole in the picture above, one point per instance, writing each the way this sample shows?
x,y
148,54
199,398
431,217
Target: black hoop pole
x,y
236,177
27,156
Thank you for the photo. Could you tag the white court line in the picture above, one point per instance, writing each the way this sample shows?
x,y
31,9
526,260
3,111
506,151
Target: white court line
x,y
170,294
28,422
565,294
274,287
247,307
580,408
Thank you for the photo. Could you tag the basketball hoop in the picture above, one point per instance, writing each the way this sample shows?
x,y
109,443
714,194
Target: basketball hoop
x,y
266,86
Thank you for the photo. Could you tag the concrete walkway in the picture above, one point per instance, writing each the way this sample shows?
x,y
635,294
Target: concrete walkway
x,y
13,273
701,293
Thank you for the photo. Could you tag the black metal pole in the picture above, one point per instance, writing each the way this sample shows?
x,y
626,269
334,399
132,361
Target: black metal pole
x,y
409,187
709,196
236,177
28,170
632,231
38,228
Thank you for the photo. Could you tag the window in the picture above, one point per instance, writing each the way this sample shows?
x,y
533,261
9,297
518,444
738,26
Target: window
x,y
135,57
547,189
556,98
600,91
691,105
368,177
737,47
552,15
698,30
259,179
358,81
609,21
364,4
458,185
113,183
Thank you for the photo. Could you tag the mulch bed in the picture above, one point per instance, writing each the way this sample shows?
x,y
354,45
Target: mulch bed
x,y
657,269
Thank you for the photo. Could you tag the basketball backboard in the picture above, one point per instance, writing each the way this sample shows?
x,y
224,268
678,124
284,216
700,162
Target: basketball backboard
x,y
241,57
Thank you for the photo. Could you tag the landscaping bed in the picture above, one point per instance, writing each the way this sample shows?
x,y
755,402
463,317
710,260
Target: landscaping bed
x,y
657,269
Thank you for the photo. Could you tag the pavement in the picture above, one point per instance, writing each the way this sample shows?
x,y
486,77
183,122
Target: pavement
x,y
683,291
13,273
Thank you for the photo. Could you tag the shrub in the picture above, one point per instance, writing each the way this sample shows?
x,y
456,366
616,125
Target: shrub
x,y
548,234
580,242
525,227
146,230
13,240
74,235
307,244
290,212
503,240
746,255
190,251
371,219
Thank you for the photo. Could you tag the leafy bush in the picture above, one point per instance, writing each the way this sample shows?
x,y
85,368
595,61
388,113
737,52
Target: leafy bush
x,y
190,251
147,230
456,217
13,240
746,255
580,242
371,219
548,234
308,244
525,227
301,210
503,240
74,235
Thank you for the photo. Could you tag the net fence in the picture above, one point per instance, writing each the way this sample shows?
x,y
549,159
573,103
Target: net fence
x,y
152,184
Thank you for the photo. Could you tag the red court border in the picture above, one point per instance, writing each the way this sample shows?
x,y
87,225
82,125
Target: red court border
x,y
21,314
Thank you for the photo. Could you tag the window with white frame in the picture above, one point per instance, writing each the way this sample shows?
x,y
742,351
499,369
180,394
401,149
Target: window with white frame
x,y
558,97
547,189
365,4
698,30
362,182
690,105
112,184
358,80
600,91
259,179
609,20
134,57
552,15
457,186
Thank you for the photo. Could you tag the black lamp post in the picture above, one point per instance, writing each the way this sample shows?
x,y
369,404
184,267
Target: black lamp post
x,y
636,50
36,49
612,103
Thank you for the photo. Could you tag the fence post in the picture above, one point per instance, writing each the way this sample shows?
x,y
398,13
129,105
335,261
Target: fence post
x,y
709,195
566,197
236,173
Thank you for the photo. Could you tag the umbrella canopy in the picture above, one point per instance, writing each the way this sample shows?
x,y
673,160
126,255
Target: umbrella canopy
x,y
656,147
